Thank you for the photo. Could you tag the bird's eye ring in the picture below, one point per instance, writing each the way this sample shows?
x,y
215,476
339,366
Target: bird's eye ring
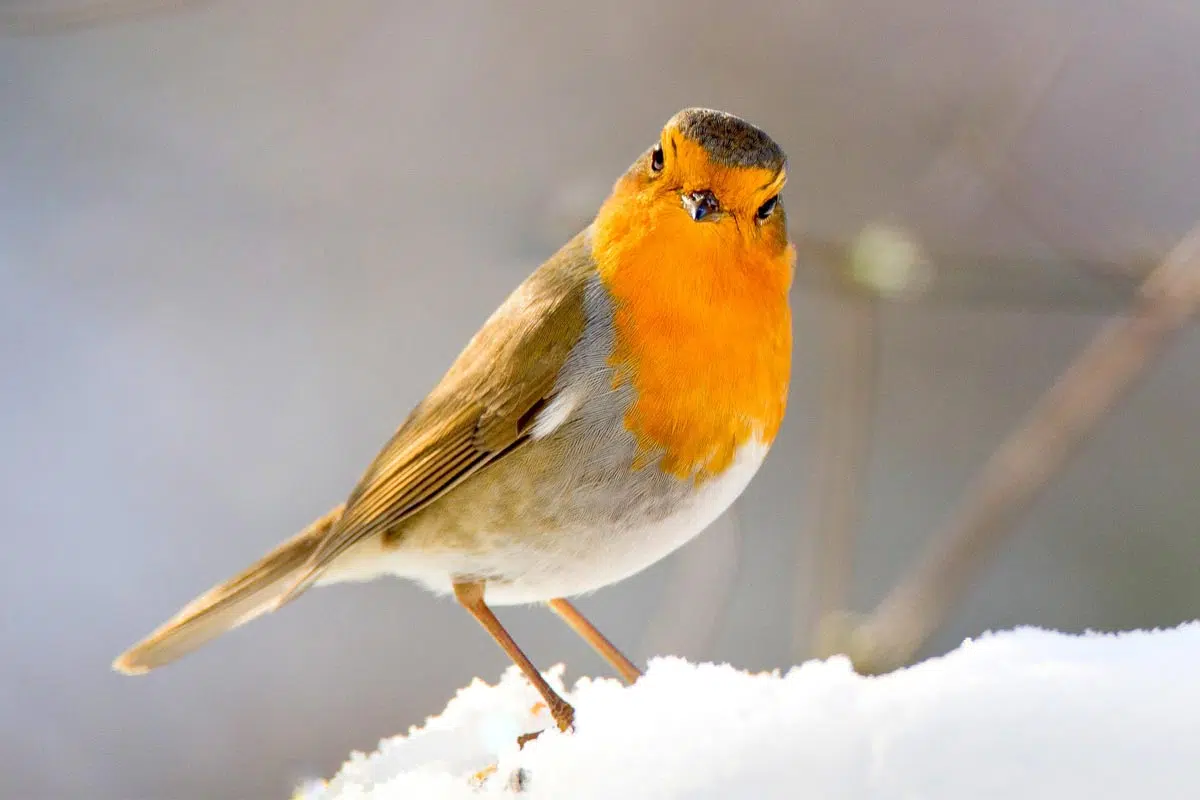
x,y
656,159
765,210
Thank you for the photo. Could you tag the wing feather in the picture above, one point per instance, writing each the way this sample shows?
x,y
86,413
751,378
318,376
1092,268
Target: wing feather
x,y
483,409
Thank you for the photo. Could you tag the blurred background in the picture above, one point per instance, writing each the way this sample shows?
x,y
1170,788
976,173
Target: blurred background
x,y
239,240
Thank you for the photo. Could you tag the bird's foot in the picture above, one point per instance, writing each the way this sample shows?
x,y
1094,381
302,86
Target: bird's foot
x,y
564,718
563,714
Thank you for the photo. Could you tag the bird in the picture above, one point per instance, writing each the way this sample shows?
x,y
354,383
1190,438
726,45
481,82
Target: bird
x,y
613,406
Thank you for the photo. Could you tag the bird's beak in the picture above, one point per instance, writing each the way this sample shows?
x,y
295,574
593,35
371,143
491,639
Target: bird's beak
x,y
700,204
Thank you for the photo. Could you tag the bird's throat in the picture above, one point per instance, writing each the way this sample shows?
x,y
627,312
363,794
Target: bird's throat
x,y
702,334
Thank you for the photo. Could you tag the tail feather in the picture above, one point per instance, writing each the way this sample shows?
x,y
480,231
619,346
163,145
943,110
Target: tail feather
x,y
255,591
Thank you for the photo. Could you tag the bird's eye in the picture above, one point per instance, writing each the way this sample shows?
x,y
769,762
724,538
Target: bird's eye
x,y
656,159
766,208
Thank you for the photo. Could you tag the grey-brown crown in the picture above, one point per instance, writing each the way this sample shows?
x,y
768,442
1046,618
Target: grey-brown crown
x,y
729,140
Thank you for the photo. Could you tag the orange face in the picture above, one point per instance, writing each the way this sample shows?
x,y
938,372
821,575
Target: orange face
x,y
695,253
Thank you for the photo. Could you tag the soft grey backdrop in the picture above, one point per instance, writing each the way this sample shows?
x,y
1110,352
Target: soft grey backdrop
x,y
237,243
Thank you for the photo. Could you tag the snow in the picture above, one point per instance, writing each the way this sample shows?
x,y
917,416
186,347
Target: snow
x,y
1024,714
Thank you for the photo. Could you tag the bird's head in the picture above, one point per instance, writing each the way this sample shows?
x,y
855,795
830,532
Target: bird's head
x,y
711,183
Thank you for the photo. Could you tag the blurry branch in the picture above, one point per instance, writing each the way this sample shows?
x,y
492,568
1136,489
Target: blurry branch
x,y
889,262
1022,468
986,143
843,448
47,21
953,279
993,153
1027,462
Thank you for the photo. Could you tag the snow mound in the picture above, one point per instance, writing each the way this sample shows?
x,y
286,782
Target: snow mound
x,y
1026,714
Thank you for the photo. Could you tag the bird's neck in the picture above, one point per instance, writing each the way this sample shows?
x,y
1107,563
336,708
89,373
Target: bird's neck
x,y
703,334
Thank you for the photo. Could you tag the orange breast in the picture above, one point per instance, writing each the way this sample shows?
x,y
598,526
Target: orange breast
x,y
702,332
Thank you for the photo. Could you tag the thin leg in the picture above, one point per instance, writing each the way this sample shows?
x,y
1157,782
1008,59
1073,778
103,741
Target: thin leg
x,y
587,631
470,595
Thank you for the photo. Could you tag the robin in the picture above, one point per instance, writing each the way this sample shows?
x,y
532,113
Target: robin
x,y
613,407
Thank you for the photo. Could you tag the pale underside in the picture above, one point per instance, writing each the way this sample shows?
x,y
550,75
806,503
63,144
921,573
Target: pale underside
x,y
549,559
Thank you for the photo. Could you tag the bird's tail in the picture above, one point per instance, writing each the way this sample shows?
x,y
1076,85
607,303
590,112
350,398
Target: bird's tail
x,y
255,591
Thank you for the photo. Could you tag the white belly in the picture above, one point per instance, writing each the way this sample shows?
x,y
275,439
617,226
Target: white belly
x,y
590,560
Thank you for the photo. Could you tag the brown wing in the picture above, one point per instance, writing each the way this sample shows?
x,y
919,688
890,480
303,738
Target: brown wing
x,y
481,410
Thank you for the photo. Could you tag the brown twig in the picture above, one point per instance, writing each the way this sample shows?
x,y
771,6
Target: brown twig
x,y
1023,467
994,155
847,405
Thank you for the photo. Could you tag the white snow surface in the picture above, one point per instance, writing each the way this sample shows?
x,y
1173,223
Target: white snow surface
x,y
1025,714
